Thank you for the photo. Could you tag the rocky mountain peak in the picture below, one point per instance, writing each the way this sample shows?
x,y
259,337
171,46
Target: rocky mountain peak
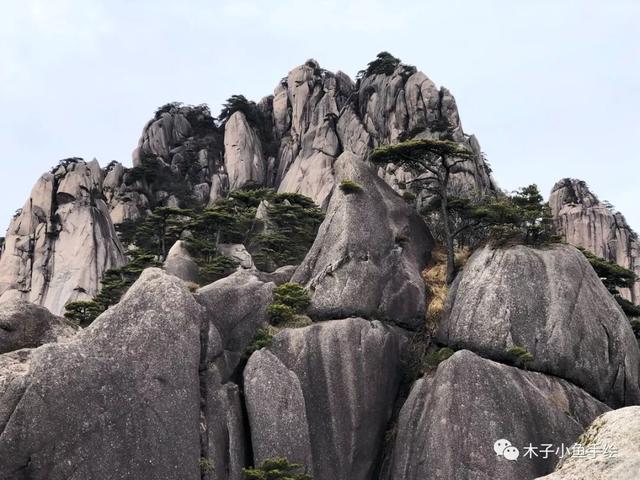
x,y
586,222
258,286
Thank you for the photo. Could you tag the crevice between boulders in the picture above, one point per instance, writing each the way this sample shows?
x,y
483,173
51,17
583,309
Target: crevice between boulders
x,y
204,394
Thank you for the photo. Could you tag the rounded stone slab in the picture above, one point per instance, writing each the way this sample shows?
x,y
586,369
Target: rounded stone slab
x,y
550,302
451,421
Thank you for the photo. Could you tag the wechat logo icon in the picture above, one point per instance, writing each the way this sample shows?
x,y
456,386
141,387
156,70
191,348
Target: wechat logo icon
x,y
503,448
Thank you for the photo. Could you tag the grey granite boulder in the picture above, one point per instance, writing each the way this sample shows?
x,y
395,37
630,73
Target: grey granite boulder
x,y
180,263
237,306
550,302
120,400
323,395
25,325
608,450
368,254
449,424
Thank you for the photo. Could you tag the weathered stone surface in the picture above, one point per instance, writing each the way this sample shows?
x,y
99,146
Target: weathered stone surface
x,y
243,158
449,424
586,222
225,437
120,400
180,264
323,396
284,432
236,252
25,325
237,306
368,254
280,275
615,439
62,241
550,302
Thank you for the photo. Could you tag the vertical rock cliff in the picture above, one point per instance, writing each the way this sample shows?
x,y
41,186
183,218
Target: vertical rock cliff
x,y
62,241
586,222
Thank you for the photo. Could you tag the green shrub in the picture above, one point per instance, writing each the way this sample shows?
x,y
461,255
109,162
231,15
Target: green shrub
x,y
262,339
279,313
384,63
408,196
349,186
206,465
83,312
212,269
276,469
628,308
520,356
433,359
612,275
292,295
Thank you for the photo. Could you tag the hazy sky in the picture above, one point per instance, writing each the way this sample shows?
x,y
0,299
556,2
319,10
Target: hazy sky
x,y
551,88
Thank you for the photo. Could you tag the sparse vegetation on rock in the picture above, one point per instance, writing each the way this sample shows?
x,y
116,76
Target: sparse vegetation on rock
x,y
276,469
349,186
289,300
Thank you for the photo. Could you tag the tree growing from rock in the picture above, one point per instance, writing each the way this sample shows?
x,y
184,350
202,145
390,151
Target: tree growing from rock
x,y
433,162
615,277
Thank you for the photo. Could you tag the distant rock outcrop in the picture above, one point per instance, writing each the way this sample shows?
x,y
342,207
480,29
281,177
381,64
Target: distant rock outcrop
x,y
586,222
61,242
298,133
550,302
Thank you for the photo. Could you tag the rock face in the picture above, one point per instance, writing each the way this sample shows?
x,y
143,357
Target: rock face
x,y
618,430
323,394
368,254
180,264
25,325
243,157
122,398
449,424
237,306
586,222
550,302
312,118
62,241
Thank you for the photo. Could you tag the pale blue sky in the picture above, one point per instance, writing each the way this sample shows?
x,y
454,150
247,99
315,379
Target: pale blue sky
x,y
551,88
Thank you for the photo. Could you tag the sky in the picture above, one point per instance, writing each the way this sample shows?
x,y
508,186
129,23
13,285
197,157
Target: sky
x,y
550,88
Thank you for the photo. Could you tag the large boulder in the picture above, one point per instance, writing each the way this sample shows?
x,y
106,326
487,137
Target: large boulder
x,y
608,450
448,426
180,263
237,307
120,400
25,325
243,156
323,396
550,302
368,254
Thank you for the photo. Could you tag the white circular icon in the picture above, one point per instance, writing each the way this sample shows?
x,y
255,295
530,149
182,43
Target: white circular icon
x,y
511,453
500,446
